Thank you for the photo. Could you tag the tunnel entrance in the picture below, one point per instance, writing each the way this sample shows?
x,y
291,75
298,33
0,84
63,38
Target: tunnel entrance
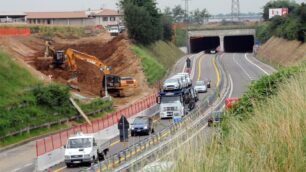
x,y
238,44
206,44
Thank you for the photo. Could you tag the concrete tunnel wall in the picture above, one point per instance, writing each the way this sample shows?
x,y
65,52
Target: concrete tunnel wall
x,y
198,44
238,44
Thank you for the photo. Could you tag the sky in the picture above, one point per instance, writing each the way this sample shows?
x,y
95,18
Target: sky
x,y
213,6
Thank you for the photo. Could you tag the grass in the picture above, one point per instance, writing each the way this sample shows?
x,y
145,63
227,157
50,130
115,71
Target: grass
x,y
14,81
180,37
157,59
272,139
35,133
153,70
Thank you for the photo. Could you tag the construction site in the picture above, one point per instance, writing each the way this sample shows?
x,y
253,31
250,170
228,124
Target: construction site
x,y
114,52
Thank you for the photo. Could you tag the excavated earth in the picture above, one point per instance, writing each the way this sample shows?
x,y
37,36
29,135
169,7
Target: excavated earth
x,y
114,52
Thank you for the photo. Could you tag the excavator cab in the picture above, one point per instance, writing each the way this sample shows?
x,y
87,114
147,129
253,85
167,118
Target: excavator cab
x,y
59,58
119,86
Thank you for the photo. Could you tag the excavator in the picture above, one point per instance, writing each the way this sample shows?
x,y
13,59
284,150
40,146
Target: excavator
x,y
116,85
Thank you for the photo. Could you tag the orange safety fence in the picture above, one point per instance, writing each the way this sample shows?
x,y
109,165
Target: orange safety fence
x,y
58,140
15,31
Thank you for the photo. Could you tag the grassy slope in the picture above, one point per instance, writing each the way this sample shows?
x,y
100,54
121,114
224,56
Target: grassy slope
x,y
157,59
14,80
273,138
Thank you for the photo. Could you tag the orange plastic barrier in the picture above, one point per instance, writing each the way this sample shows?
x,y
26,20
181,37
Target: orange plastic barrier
x,y
58,140
15,31
230,101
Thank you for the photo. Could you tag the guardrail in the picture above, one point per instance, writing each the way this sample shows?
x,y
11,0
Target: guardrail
x,y
56,141
153,143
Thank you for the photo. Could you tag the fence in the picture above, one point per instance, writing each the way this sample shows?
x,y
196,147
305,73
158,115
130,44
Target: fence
x,y
15,31
56,141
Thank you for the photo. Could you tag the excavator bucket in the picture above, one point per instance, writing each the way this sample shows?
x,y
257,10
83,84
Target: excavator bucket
x,y
73,82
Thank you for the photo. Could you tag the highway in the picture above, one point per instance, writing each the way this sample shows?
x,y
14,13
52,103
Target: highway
x,y
242,69
203,69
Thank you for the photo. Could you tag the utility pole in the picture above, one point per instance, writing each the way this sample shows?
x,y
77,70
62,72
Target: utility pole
x,y
235,10
187,22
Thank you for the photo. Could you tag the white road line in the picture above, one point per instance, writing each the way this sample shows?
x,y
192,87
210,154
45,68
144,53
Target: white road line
x,y
248,75
232,85
246,57
16,169
29,164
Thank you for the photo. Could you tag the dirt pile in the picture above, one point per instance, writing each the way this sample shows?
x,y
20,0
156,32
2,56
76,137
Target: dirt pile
x,y
283,52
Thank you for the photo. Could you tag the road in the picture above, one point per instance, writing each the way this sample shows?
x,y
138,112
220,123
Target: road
x,y
241,68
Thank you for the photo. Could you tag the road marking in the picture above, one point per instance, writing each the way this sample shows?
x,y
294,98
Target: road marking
x,y
29,164
232,85
60,169
246,57
217,72
16,169
247,74
199,68
114,143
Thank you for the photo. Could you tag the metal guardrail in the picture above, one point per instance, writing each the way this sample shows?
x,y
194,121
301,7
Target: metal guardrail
x,y
154,140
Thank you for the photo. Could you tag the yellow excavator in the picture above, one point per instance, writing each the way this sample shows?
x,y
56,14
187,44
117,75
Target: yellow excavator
x,y
116,85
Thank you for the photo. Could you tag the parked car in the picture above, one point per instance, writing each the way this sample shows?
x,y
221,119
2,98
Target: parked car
x,y
215,118
142,124
172,84
200,87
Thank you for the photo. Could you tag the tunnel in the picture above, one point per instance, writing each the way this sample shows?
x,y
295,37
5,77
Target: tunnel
x,y
198,44
238,44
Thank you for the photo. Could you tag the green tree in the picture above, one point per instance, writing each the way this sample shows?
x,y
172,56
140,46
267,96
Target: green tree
x,y
167,28
143,20
198,16
178,14
292,6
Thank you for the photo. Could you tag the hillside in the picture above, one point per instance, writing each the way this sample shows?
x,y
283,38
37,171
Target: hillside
x,y
282,52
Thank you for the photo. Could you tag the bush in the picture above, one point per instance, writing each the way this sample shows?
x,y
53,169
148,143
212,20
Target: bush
x,y
52,96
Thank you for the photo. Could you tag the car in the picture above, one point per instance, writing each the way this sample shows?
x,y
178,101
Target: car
x,y
213,51
182,79
200,87
172,84
142,125
215,118
187,76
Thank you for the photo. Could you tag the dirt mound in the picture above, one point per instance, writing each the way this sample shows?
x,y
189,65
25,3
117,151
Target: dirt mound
x,y
283,52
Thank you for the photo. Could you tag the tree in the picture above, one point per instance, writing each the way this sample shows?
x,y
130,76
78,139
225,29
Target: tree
x,y
142,20
168,12
178,14
292,6
199,16
167,28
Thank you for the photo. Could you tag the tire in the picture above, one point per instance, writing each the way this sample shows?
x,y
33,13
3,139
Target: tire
x,y
68,165
132,134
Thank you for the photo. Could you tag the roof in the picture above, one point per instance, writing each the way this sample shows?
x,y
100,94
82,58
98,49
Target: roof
x,y
108,12
12,14
81,135
56,15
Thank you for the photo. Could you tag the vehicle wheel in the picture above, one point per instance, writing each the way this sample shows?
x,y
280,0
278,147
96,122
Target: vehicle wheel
x,y
152,131
68,165
132,134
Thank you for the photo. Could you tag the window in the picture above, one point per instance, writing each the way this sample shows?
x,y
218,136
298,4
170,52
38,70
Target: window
x,y
112,18
105,18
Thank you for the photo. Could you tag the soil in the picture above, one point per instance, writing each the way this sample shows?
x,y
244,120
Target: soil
x,y
114,52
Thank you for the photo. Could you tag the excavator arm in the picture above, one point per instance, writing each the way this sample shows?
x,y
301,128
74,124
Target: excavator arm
x,y
72,55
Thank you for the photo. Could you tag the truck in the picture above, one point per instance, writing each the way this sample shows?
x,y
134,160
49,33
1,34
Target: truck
x,y
177,102
84,149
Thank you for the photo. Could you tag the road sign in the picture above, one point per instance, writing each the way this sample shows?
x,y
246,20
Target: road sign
x,y
278,12
123,126
177,119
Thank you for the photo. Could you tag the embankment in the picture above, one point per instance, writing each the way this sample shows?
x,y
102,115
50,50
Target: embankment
x,y
282,52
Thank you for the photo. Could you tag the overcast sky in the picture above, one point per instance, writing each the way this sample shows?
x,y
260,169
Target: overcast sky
x,y
213,6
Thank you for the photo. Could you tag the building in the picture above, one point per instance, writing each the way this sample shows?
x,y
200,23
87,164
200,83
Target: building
x,y
11,17
103,17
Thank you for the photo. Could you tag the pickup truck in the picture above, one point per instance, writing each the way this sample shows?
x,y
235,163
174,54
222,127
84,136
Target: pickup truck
x,y
83,149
